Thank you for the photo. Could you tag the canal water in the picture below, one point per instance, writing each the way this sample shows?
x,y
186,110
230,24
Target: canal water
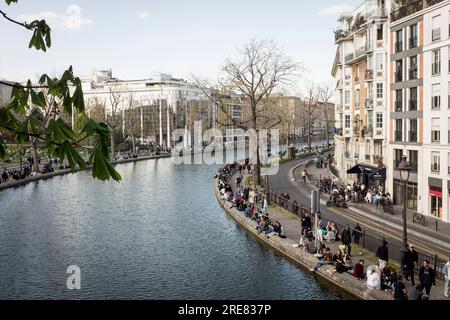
x,y
159,234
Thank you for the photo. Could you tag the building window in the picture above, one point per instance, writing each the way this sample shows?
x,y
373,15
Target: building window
x,y
435,130
413,68
370,91
379,61
436,63
413,99
449,163
380,32
379,121
436,97
413,40
347,97
436,28
380,91
398,130
347,122
399,71
413,157
435,162
399,43
413,130
398,100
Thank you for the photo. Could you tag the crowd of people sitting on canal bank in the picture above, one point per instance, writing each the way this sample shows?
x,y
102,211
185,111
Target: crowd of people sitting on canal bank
x,y
317,239
357,192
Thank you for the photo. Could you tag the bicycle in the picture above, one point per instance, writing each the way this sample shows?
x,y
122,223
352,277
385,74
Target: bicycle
x,y
420,218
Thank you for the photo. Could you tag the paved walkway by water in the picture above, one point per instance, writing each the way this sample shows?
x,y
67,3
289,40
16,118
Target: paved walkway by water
x,y
442,234
17,183
289,180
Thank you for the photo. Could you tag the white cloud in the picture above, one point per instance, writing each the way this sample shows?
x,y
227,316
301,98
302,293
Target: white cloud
x,y
335,9
144,15
71,20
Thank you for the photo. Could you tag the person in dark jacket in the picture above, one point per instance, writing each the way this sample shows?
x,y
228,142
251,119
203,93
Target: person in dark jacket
x,y
410,261
383,255
400,289
306,223
346,239
427,277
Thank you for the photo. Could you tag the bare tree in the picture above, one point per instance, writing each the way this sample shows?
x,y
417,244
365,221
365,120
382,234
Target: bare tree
x,y
112,117
132,120
325,94
260,68
309,112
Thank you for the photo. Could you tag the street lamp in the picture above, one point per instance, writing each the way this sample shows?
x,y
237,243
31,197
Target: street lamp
x,y
404,169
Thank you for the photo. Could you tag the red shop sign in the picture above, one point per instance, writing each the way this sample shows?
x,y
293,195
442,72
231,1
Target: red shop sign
x,y
436,192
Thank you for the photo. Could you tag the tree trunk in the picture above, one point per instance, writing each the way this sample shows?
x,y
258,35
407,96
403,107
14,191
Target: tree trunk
x,y
113,147
309,136
134,144
327,136
35,155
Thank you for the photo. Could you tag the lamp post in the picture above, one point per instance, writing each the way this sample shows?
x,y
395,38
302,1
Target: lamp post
x,y
404,169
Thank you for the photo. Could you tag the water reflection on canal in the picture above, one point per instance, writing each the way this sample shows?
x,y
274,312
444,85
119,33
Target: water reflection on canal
x,y
159,234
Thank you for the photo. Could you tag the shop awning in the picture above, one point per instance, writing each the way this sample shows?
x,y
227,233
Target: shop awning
x,y
354,170
374,174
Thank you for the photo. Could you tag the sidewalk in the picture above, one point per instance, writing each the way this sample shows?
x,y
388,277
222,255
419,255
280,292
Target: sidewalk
x,y
443,232
292,226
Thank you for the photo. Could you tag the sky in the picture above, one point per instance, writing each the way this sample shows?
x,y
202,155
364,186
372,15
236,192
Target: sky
x,y
137,38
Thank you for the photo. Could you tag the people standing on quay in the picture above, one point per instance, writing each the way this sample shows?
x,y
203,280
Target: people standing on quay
x,y
427,277
346,239
446,277
306,224
410,261
383,255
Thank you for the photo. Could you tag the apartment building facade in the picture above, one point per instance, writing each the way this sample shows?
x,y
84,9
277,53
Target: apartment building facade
x,y
419,106
360,70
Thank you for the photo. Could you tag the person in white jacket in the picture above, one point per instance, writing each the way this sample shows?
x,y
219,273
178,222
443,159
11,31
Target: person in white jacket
x,y
447,277
373,279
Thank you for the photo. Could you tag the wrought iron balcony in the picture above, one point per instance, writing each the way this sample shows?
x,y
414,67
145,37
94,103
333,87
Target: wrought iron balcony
x,y
412,8
413,136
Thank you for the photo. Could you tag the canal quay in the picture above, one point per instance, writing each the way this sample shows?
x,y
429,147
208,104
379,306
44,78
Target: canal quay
x,y
158,234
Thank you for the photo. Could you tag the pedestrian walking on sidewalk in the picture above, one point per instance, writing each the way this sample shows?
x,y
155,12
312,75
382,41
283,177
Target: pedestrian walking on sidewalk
x,y
427,277
446,277
304,175
410,261
383,255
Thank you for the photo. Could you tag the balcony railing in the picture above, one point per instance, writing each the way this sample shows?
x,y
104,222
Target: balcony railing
x,y
413,165
413,105
413,42
412,8
349,57
413,74
369,75
398,136
340,34
377,159
369,104
435,167
436,68
413,136
398,76
398,106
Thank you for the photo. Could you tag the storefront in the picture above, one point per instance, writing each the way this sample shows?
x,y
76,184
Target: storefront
x,y
369,176
411,194
436,202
